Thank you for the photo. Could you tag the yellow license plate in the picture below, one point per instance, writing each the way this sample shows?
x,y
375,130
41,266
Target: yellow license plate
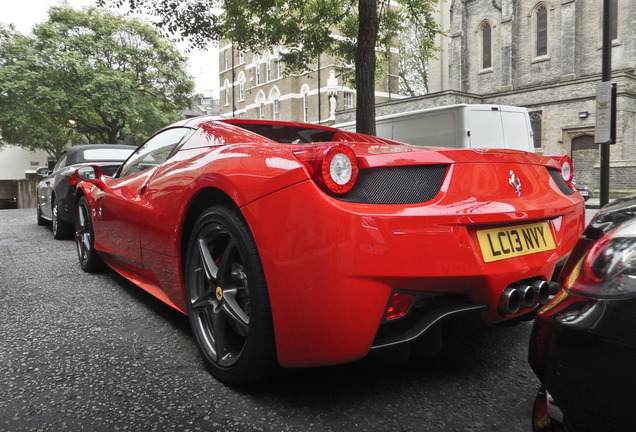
x,y
513,241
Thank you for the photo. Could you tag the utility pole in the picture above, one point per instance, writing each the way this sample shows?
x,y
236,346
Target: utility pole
x,y
606,107
319,88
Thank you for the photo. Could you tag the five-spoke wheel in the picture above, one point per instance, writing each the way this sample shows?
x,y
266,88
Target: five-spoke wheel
x,y
228,304
85,238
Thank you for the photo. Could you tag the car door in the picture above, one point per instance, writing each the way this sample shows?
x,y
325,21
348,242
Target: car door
x,y
119,209
45,188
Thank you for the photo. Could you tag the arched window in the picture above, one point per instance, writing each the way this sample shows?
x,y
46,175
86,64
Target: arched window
x,y
268,67
541,16
274,95
227,92
260,101
535,124
241,86
257,60
486,46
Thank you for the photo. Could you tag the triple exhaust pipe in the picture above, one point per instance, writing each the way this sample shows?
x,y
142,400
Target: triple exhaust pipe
x,y
520,296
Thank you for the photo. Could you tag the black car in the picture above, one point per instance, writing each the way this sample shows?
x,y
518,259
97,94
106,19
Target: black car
x,y
583,342
56,192
584,189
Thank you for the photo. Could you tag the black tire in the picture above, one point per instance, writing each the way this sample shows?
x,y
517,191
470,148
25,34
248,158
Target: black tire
x,y
228,301
89,260
61,229
38,216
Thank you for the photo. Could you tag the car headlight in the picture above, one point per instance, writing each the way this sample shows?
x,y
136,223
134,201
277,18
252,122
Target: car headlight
x,y
608,270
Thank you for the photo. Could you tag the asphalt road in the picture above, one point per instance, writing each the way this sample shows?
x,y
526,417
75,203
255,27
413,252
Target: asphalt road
x,y
93,352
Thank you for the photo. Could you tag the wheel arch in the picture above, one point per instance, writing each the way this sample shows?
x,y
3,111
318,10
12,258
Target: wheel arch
x,y
198,204
79,193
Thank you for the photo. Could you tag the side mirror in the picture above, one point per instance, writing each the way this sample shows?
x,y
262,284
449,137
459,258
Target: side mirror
x,y
43,171
93,175
92,172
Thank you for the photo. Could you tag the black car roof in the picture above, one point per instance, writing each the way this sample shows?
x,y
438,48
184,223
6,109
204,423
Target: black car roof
x,y
75,154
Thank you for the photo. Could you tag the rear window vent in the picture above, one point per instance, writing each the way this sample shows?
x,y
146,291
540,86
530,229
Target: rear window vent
x,y
563,186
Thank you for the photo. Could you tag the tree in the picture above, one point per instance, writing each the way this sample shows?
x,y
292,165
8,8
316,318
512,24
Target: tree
x,y
351,30
90,76
417,46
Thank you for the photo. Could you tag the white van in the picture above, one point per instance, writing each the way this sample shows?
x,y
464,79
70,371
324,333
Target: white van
x,y
458,126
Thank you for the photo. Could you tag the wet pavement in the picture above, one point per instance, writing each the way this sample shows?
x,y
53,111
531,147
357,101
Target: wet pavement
x,y
93,352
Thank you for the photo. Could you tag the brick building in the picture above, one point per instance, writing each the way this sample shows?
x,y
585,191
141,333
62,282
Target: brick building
x,y
254,85
544,55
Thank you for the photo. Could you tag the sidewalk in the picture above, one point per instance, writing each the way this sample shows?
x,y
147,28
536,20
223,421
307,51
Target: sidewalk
x,y
593,203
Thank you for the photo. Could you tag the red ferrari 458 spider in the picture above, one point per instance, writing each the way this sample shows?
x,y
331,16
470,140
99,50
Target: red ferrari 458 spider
x,y
300,245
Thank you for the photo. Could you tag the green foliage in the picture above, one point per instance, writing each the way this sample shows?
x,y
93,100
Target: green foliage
x,y
416,46
305,28
89,76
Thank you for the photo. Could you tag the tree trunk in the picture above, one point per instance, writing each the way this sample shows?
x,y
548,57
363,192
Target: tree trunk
x,y
365,66
112,135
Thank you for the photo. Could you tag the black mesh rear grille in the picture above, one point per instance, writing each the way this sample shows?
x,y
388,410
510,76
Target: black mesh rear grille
x,y
563,186
397,185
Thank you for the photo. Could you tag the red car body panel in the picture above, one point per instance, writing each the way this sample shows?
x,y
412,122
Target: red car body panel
x,y
331,266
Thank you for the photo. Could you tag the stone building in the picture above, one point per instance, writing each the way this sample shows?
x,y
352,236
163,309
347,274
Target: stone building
x,y
545,55
255,86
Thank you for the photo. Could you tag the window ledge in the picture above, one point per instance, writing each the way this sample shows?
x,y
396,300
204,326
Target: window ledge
x,y
541,59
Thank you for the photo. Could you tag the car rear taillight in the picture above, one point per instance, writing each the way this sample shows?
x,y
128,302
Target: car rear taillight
x,y
400,303
333,167
567,171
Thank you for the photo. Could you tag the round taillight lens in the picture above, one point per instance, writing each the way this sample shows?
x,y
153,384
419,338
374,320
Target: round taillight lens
x,y
339,169
333,167
566,170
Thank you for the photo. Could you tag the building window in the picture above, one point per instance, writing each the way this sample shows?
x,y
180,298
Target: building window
x,y
274,95
348,100
260,101
486,46
257,69
542,31
268,69
305,105
279,66
241,87
535,124
225,60
227,92
241,57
